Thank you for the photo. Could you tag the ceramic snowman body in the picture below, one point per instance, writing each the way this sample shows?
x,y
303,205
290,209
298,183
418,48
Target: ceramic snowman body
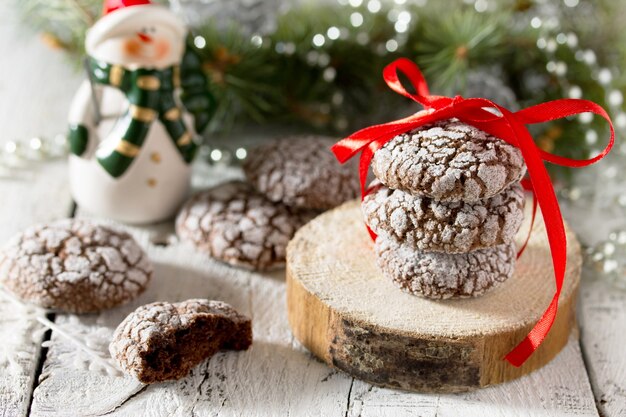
x,y
130,136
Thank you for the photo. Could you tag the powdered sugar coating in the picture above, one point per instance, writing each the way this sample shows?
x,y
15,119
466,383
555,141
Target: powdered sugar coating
x,y
448,161
74,265
234,223
162,341
456,227
438,275
302,172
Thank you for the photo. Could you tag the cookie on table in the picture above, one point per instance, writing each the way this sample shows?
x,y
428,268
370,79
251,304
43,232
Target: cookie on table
x,y
439,275
75,266
163,341
448,161
234,223
302,172
457,227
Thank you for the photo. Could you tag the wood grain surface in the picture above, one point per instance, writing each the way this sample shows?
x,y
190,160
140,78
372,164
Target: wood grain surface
x,y
30,105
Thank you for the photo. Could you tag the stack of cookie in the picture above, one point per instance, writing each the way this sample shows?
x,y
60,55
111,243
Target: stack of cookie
x,y
446,208
248,224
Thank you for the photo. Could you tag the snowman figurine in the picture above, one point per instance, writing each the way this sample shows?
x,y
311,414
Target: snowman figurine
x,y
131,137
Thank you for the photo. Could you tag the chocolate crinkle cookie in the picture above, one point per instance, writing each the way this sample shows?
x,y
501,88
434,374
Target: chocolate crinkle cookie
x,y
163,341
439,275
237,225
75,266
448,161
429,225
302,172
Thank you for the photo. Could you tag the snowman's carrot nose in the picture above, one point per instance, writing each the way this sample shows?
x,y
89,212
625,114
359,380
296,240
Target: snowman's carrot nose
x,y
144,37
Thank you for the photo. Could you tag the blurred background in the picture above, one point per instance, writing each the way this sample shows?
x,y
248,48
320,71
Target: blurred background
x,y
280,67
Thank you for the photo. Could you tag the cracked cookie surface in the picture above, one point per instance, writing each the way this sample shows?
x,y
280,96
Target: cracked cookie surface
x,y
234,223
456,227
74,265
302,172
163,341
448,161
438,275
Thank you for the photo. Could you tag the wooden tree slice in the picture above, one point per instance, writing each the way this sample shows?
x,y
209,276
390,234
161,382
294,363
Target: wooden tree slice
x,y
349,315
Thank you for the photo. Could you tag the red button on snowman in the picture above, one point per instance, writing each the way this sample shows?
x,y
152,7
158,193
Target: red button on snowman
x,y
133,122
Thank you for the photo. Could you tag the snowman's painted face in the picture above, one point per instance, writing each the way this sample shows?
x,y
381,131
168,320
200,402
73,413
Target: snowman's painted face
x,y
149,45
145,44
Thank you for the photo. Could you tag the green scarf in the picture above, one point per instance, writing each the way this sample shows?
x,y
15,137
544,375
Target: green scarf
x,y
150,94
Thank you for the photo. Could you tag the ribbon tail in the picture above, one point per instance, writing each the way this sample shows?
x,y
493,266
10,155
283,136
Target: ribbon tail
x,y
535,337
555,230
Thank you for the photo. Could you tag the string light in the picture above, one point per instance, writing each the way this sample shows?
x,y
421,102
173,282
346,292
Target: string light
x,y
535,22
337,98
333,33
19,153
241,153
10,147
318,40
356,19
585,118
391,45
560,68
575,92
312,56
374,6
616,98
572,40
481,6
401,27
199,42
604,76
329,74
216,155
362,38
561,38
591,137
589,57
541,43
392,15
323,59
404,16
257,41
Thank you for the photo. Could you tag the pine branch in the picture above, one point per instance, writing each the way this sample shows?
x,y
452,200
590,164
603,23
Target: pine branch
x,y
336,86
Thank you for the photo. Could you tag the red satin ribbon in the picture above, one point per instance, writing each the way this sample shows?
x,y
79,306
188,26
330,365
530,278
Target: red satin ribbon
x,y
506,125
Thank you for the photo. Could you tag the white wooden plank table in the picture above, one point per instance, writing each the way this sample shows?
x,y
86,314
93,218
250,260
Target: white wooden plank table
x,y
277,376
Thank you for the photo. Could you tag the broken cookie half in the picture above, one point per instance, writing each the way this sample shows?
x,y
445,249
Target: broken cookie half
x,y
163,341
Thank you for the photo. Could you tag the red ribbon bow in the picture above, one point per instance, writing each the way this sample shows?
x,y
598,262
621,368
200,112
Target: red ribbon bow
x,y
506,125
